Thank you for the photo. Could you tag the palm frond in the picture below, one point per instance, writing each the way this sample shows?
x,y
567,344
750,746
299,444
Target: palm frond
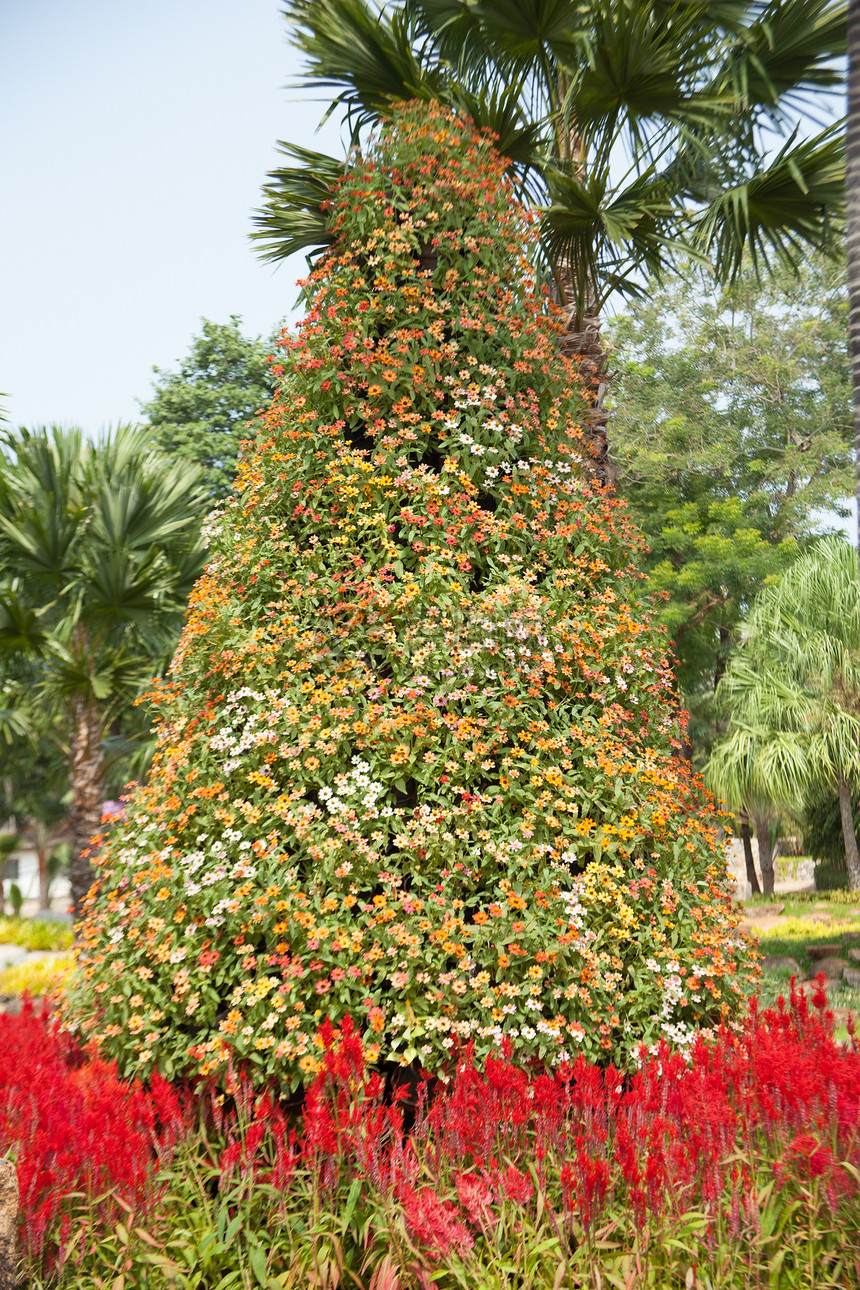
x,y
789,52
516,33
368,57
795,200
292,217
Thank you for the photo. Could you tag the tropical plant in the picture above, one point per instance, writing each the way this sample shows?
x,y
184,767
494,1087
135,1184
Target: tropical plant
x,y
852,185
731,434
202,411
34,781
792,691
416,756
637,129
99,546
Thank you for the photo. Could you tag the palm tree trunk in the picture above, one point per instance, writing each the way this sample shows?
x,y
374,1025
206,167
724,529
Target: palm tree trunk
x,y
582,344
752,876
86,775
852,192
44,880
761,820
846,813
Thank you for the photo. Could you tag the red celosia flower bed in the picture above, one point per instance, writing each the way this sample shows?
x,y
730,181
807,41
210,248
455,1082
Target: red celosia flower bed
x,y
677,1135
73,1126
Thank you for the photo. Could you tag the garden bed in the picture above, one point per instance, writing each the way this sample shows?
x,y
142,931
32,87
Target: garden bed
x,y
737,1166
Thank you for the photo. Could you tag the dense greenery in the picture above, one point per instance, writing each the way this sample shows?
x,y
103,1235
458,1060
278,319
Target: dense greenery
x,y
99,547
792,691
731,433
637,127
201,412
825,840
416,759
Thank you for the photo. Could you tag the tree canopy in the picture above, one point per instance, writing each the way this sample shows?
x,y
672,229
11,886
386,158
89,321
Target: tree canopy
x,y
731,437
636,128
202,411
792,690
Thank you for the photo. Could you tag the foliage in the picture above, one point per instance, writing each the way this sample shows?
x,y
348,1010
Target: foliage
x,y
37,977
809,928
35,934
731,430
16,899
823,827
829,897
99,546
726,1170
636,129
202,411
76,1130
416,759
792,690
35,780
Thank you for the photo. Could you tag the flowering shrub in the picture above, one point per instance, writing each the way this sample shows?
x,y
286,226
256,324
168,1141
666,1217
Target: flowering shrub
x,y
737,1167
416,755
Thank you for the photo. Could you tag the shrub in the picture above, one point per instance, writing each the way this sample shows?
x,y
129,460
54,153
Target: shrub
x,y
417,757
822,825
35,934
37,976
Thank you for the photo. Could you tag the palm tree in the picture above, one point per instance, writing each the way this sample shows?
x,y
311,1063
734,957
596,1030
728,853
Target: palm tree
x,y
792,692
99,548
852,187
637,129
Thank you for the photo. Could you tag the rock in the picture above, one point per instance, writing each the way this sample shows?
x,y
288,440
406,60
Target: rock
x,y
781,965
824,951
854,955
764,911
53,916
841,1016
851,976
831,967
11,954
8,1220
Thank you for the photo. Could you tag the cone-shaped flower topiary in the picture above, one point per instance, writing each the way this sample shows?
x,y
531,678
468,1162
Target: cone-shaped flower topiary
x,y
415,758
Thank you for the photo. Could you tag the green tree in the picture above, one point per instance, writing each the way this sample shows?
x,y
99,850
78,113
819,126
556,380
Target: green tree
x,y
792,691
100,545
636,128
731,433
34,781
824,837
201,412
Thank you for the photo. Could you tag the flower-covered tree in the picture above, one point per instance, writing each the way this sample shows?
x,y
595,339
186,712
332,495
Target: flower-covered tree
x,y
416,761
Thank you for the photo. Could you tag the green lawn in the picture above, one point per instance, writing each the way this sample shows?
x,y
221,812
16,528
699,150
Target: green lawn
x,y
820,918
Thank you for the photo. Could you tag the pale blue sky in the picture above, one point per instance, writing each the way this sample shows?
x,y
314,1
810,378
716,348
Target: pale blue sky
x,y
134,141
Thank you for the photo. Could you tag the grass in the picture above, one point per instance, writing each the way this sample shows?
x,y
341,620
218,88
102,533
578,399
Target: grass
x,y
803,926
